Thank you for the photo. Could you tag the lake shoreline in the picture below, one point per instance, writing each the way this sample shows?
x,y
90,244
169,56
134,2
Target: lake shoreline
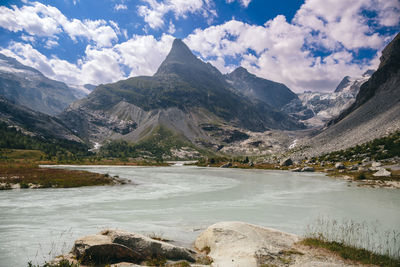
x,y
230,243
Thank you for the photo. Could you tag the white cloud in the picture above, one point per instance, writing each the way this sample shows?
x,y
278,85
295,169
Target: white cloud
x,y
120,7
171,28
244,3
47,21
153,11
286,51
140,55
51,43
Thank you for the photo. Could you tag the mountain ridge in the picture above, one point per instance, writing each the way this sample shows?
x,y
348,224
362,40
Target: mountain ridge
x,y
183,88
29,87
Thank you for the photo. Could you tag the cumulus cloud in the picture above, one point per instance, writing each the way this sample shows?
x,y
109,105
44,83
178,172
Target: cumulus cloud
x,y
244,3
47,21
120,7
311,52
140,55
153,11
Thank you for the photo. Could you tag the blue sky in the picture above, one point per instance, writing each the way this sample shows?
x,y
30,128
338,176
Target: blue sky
x,y
308,45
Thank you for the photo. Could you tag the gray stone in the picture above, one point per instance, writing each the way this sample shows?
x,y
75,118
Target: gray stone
x,y
147,247
98,249
376,164
226,165
308,169
382,173
340,166
286,162
296,170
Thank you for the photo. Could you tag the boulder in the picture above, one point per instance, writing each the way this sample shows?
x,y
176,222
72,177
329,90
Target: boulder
x,y
340,166
354,168
308,169
243,244
296,170
99,249
362,169
226,165
376,164
382,172
286,162
149,248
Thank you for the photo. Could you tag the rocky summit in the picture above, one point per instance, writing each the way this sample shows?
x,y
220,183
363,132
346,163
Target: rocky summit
x,y
186,96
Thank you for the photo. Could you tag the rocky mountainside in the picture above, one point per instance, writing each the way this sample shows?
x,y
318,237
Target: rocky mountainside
x,y
315,109
29,87
274,94
32,122
375,112
186,95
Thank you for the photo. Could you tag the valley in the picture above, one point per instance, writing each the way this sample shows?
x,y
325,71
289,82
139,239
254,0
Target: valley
x,y
220,142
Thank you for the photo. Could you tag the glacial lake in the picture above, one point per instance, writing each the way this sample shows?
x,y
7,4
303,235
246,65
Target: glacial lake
x,y
178,203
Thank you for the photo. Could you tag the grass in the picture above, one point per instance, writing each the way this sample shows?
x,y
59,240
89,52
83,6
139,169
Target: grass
x,y
377,149
31,174
360,242
352,253
62,263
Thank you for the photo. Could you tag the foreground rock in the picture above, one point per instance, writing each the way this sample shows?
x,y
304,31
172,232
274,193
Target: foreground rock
x,y
150,248
121,248
246,245
225,244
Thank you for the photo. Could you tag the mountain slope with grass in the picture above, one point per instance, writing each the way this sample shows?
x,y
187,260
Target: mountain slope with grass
x,y
185,96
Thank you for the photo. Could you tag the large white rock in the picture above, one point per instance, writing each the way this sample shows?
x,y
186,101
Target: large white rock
x,y
382,172
242,244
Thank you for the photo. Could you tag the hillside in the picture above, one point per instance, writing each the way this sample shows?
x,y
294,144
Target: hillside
x,y
29,87
375,112
274,94
186,95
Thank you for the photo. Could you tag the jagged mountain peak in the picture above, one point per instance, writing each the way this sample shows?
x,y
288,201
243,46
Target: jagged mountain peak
x,y
391,54
181,55
240,70
256,88
368,73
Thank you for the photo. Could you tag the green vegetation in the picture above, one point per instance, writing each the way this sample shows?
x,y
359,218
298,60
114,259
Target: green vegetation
x,y
377,149
62,263
156,261
61,150
156,146
360,242
352,253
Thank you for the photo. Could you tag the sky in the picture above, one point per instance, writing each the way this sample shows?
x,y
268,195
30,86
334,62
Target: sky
x,y
305,44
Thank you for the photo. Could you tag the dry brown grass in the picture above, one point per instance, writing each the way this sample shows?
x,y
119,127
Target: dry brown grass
x,y
25,174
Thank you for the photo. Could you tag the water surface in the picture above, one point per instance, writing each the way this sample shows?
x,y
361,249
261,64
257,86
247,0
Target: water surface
x,y
178,203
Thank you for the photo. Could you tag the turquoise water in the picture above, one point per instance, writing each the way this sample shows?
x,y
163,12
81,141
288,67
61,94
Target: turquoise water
x,y
178,203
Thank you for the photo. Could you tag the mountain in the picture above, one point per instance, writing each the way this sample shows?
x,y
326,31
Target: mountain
x,y
375,112
315,109
274,94
187,96
29,87
32,122
81,91
352,85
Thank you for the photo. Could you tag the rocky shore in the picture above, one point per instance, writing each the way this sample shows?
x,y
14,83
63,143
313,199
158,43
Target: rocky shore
x,y
225,244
